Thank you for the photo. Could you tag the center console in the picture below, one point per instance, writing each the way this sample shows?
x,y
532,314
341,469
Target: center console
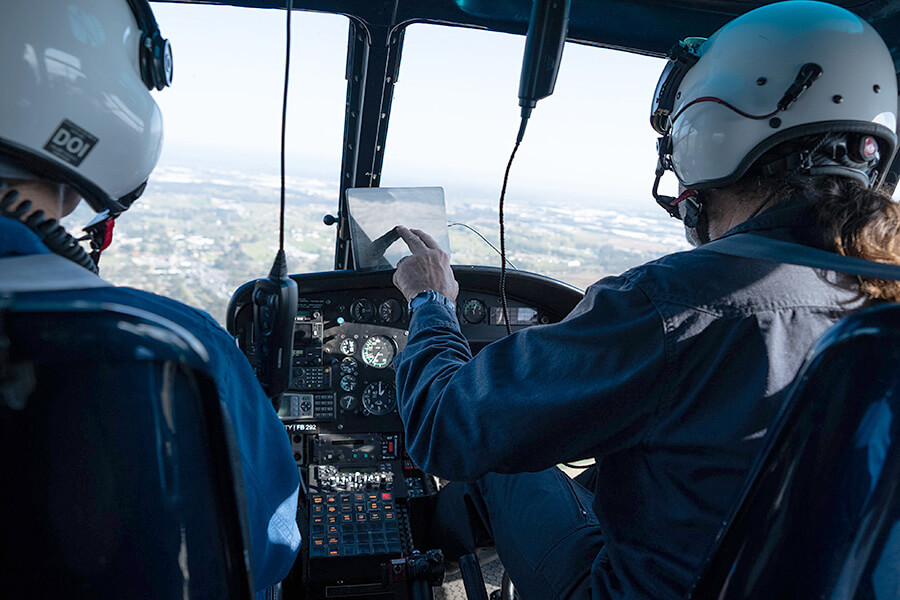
x,y
361,517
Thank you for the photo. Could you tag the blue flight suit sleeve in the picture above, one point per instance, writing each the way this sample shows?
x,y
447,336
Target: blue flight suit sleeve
x,y
586,386
271,479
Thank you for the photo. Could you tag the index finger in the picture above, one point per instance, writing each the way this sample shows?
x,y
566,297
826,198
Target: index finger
x,y
426,239
415,243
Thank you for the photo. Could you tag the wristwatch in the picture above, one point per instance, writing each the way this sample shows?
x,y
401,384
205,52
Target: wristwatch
x,y
430,296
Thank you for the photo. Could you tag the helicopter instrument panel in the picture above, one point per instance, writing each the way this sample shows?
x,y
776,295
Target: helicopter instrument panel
x,y
363,493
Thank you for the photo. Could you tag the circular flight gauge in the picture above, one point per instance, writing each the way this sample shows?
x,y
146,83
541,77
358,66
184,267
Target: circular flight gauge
x,y
390,311
379,398
349,365
348,383
378,352
348,346
348,402
474,311
362,310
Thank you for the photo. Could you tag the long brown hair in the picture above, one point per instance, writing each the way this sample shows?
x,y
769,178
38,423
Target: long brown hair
x,y
858,222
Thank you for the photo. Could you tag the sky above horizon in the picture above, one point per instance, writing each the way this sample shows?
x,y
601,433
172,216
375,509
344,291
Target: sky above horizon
x,y
454,117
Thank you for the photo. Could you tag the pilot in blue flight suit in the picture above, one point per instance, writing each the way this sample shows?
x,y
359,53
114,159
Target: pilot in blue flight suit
x,y
781,124
77,121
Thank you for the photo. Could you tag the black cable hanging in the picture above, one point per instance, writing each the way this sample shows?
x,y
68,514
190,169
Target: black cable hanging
x,y
50,232
503,261
483,239
284,106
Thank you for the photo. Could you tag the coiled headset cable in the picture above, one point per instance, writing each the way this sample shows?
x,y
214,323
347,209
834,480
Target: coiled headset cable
x,y
51,233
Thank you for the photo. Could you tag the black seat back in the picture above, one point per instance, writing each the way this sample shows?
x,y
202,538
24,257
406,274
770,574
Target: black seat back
x,y
820,517
117,467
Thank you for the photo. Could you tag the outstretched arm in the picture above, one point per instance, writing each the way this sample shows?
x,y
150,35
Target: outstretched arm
x,y
550,393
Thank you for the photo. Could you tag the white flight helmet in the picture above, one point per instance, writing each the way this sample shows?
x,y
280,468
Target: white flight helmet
x,y
777,73
75,106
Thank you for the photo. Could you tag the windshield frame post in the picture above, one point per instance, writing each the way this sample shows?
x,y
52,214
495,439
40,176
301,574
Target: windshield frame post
x,y
373,63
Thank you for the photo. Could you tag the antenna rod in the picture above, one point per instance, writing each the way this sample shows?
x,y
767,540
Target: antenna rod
x,y
284,105
275,297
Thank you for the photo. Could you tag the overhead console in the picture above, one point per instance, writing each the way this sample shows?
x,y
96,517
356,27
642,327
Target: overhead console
x,y
340,412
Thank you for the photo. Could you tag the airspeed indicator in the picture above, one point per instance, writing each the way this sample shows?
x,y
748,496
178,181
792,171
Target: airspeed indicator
x,y
378,352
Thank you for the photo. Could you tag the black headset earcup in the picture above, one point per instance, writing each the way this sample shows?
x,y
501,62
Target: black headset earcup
x,y
145,62
156,61
162,61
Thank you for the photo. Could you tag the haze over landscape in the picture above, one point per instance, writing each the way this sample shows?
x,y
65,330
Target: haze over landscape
x,y
198,233
578,205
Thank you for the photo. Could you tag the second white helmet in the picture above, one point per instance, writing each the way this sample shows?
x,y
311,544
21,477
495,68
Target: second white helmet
x,y
777,73
75,106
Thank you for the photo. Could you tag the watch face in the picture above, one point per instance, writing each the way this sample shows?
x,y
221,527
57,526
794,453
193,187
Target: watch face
x,y
420,299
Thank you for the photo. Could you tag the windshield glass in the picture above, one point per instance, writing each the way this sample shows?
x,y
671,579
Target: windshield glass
x,y
208,221
578,203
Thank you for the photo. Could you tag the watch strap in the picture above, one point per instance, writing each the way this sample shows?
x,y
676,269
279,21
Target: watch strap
x,y
430,296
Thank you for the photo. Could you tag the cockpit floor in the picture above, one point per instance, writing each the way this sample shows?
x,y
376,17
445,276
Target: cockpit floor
x,y
453,584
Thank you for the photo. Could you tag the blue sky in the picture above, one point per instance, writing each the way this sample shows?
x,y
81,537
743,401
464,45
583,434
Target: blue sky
x,y
455,112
